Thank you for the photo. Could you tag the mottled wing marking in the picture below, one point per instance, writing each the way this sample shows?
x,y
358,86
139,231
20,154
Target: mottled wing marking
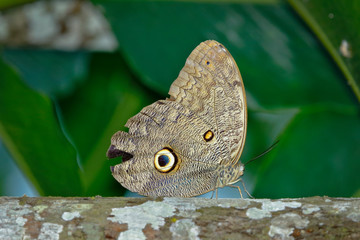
x,y
207,95
210,85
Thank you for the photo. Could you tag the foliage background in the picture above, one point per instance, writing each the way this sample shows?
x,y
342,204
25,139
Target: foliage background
x,y
300,65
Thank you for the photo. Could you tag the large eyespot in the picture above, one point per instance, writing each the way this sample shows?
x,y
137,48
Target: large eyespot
x,y
165,160
208,136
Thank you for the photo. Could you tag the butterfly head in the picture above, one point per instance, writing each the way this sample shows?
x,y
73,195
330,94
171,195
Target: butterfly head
x,y
230,174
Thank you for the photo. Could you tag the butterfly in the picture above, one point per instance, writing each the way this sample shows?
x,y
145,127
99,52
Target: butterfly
x,y
191,142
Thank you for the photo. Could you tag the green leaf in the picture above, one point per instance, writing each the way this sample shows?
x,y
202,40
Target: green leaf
x,y
317,155
274,52
97,110
31,132
336,24
286,75
55,73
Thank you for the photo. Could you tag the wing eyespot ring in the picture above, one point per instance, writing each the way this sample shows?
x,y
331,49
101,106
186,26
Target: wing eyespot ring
x,y
165,160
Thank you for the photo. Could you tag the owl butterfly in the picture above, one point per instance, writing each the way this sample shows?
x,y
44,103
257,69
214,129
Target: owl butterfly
x,y
190,143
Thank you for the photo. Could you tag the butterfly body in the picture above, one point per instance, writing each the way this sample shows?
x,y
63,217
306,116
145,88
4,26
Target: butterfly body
x,y
188,144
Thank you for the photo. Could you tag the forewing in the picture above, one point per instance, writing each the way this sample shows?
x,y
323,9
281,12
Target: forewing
x,y
211,86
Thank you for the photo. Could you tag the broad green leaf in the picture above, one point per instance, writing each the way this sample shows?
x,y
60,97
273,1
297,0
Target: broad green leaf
x,y
55,73
274,52
286,74
97,109
312,158
337,25
31,133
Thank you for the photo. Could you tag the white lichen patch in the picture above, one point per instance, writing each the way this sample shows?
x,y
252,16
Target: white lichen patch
x,y
68,216
12,219
279,205
283,225
71,206
341,206
280,232
13,208
58,204
289,219
309,208
256,213
185,229
235,203
38,210
187,206
21,221
138,217
354,216
50,231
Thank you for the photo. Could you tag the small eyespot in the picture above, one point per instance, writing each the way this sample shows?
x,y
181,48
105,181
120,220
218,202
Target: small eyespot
x,y
207,63
208,135
165,160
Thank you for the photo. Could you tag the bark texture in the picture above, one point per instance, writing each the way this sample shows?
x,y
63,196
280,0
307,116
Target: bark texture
x,y
178,218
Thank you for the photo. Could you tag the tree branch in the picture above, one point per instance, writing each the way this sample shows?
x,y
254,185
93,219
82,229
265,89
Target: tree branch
x,y
178,218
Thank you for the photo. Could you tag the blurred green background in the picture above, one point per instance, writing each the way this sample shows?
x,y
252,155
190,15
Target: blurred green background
x,y
299,61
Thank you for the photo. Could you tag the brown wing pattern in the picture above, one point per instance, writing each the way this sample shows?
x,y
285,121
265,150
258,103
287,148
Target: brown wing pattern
x,y
210,85
207,95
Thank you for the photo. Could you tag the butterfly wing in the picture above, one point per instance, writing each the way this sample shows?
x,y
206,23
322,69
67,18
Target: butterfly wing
x,y
203,124
210,85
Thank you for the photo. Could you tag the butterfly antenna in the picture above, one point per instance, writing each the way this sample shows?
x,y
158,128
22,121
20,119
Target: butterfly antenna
x,y
262,154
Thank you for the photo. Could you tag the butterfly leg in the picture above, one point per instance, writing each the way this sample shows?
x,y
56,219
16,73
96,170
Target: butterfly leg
x,y
242,182
240,192
212,195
